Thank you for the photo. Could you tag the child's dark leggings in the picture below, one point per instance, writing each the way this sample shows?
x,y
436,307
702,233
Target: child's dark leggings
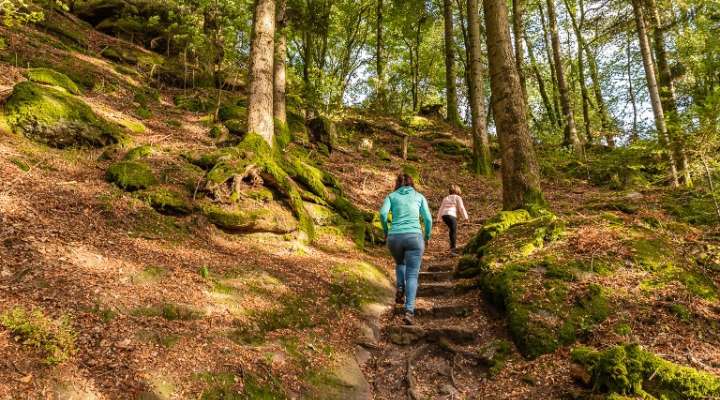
x,y
451,222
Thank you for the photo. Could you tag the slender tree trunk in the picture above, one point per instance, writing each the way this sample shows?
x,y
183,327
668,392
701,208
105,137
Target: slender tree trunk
x,y
635,135
453,116
585,96
520,172
518,11
481,142
571,138
653,87
260,99
379,66
279,79
551,64
668,97
607,126
541,83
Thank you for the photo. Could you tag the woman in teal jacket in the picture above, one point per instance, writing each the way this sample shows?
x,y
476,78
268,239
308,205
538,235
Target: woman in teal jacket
x,y
405,238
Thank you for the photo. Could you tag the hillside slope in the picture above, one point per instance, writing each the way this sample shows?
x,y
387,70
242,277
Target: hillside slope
x,y
140,260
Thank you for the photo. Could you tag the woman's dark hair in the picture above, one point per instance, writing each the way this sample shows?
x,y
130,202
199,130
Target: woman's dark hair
x,y
404,180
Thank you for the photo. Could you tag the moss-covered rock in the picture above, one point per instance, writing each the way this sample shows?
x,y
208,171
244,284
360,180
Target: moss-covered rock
x,y
417,122
193,103
236,127
451,147
495,226
56,118
167,201
630,370
47,76
131,175
119,54
232,112
138,153
248,217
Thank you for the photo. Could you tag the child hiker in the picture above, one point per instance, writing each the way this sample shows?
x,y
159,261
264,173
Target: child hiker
x,y
451,205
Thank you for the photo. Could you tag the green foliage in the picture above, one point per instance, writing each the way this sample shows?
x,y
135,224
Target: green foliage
x,y
630,370
56,338
193,104
51,77
56,118
143,113
131,175
692,206
232,112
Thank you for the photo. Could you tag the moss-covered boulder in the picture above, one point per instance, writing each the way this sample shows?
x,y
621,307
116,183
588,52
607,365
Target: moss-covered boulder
x,y
451,147
47,76
236,127
167,200
131,175
138,153
119,54
248,216
56,118
495,226
232,112
630,370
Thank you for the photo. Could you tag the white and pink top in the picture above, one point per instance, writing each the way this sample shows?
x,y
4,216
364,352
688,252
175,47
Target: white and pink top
x,y
450,206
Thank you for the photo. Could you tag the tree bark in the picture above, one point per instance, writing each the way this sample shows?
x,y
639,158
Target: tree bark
x,y
481,142
653,87
551,64
571,138
577,27
635,134
518,11
260,99
541,83
520,172
279,78
453,116
379,67
607,126
668,97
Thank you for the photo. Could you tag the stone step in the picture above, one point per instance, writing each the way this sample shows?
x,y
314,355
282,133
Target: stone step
x,y
438,312
439,267
436,276
442,289
408,334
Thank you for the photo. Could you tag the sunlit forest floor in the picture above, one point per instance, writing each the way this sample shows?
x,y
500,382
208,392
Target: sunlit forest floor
x,y
172,307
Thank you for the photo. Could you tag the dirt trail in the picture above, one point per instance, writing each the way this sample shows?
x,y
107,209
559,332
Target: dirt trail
x,y
450,350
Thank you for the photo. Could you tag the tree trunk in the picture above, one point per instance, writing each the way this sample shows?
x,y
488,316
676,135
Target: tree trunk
x,y
607,127
541,83
279,79
520,172
571,138
379,67
668,97
260,98
551,64
635,135
653,88
518,29
585,97
453,116
481,142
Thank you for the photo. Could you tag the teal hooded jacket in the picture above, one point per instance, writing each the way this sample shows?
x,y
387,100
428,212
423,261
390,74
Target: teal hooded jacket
x,y
406,206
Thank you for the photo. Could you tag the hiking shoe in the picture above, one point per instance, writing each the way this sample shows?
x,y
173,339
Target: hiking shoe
x,y
454,252
409,318
400,296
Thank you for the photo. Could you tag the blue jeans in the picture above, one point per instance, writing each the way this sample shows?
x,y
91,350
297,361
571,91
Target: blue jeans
x,y
407,249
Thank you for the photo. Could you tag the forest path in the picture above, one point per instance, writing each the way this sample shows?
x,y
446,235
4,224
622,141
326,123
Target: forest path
x,y
450,350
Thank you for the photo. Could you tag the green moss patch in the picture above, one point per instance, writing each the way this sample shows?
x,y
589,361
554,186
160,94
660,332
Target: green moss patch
x,y
291,312
56,118
451,147
628,370
227,113
131,175
250,217
47,76
692,206
223,386
138,153
54,337
167,201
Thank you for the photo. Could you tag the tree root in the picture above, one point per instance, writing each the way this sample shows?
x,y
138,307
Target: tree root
x,y
412,383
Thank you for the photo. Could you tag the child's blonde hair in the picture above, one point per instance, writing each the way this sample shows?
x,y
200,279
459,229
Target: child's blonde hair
x,y
455,189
